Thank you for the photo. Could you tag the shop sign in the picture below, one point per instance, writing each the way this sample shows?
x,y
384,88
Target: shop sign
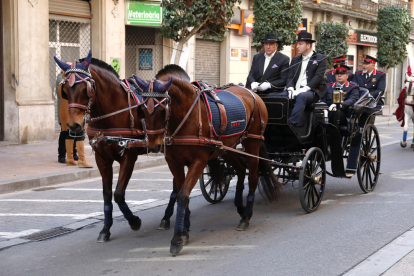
x,y
143,13
239,54
116,64
304,25
359,37
246,27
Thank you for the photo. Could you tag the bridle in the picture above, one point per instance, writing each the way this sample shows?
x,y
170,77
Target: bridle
x,y
148,101
70,75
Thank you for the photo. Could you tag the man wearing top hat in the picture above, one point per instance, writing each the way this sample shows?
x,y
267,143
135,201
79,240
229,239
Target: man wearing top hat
x,y
339,112
306,78
370,78
330,76
269,69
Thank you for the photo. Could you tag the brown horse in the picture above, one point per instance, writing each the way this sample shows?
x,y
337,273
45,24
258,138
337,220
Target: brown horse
x,y
182,124
92,86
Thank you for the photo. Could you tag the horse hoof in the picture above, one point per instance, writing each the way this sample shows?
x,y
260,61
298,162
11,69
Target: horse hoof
x,y
164,225
403,144
135,223
243,225
412,145
104,237
175,249
186,238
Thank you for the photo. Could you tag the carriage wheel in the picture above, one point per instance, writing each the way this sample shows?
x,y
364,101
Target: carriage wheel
x,y
312,179
212,191
369,159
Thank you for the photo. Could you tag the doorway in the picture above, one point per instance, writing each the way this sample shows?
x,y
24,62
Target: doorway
x,y
360,57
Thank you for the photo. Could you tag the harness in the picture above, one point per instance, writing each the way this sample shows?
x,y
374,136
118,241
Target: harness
x,y
200,140
409,94
91,88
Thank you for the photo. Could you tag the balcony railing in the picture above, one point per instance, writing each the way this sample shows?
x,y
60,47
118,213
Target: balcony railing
x,y
368,5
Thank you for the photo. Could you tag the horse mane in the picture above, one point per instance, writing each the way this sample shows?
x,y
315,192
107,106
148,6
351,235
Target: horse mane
x,y
172,70
103,65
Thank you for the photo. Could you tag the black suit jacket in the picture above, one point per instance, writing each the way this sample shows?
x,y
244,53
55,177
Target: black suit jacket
x,y
315,73
275,73
351,90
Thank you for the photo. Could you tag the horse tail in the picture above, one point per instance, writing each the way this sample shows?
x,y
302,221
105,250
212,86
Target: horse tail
x,y
269,185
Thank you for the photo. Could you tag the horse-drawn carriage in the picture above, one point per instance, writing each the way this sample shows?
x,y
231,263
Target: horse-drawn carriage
x,y
174,114
300,154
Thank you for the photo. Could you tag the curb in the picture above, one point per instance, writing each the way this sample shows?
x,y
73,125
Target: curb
x,y
10,186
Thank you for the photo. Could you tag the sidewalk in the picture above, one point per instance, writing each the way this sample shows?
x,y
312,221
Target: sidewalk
x,y
34,165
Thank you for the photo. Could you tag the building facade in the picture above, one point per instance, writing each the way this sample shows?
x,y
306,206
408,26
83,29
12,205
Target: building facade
x,y
125,34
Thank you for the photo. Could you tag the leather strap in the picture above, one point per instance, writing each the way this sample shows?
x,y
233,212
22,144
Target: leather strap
x,y
125,132
223,115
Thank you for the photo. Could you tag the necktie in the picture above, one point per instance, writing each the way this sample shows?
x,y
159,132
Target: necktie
x,y
302,71
267,61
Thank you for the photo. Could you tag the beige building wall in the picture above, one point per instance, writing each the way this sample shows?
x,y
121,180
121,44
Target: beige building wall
x,y
108,31
29,108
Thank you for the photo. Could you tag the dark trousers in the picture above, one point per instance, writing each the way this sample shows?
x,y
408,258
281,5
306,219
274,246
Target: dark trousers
x,y
298,118
338,118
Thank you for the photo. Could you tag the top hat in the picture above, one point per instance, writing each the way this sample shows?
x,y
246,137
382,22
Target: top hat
x,y
305,36
370,59
341,68
339,59
271,38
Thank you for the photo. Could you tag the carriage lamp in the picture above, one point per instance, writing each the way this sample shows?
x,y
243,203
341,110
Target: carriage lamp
x,y
338,95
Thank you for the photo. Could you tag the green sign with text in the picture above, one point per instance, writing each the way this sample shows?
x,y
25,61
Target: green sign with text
x,y
143,13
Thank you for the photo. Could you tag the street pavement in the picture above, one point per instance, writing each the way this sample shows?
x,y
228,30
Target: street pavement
x,y
351,233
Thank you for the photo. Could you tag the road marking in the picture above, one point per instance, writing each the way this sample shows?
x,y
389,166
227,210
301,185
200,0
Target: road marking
x,y
386,257
161,259
13,235
136,179
388,137
406,174
127,190
73,216
133,202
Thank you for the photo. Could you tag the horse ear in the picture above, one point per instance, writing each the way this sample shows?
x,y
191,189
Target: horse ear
x,y
163,87
167,85
61,64
88,59
141,83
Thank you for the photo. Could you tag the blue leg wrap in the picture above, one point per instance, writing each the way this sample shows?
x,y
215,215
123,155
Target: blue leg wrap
x,y
405,136
179,222
108,207
238,199
248,212
126,211
187,218
170,207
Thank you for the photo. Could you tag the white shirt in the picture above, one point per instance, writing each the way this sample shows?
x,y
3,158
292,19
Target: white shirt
x,y
304,81
267,60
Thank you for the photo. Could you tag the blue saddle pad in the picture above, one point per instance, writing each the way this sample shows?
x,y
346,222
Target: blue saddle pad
x,y
235,111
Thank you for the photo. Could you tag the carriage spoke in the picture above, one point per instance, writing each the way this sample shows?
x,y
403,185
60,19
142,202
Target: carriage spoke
x,y
305,187
313,196
373,150
371,165
319,173
317,193
370,179
317,167
314,162
366,174
207,183
372,143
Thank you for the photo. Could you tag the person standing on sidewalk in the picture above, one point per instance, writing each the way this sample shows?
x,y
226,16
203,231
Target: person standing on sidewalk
x,y
72,140
62,106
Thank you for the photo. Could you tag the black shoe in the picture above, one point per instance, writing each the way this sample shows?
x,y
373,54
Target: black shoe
x,y
62,159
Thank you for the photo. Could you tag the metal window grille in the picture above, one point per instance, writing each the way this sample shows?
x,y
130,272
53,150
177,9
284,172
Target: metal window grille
x,y
68,41
143,52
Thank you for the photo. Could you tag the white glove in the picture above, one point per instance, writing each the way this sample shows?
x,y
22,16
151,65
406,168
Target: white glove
x,y
290,92
332,107
254,86
264,86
